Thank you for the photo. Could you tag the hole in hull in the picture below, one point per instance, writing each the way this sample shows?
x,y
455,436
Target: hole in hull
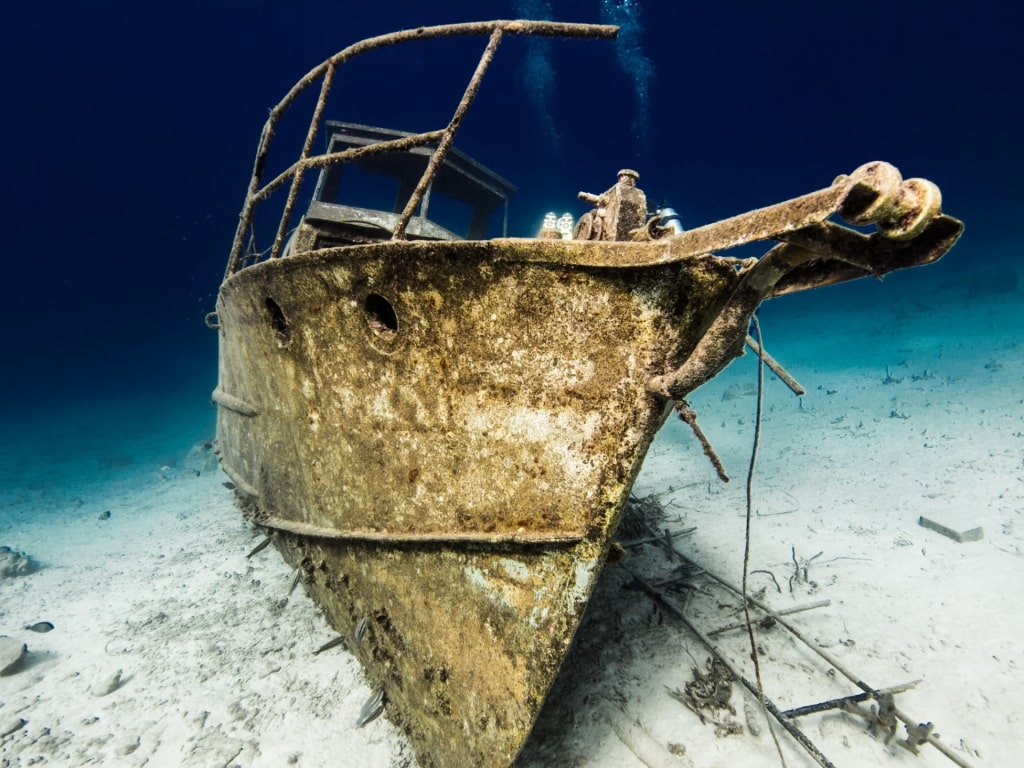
x,y
381,316
282,329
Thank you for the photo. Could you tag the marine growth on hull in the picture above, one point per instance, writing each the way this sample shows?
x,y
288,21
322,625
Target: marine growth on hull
x,y
439,425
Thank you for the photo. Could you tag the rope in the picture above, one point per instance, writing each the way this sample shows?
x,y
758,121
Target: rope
x,y
746,543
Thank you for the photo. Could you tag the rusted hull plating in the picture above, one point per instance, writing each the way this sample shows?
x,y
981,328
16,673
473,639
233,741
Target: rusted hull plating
x,y
442,436
452,471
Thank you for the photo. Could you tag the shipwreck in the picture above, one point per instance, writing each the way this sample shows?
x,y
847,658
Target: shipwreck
x,y
440,428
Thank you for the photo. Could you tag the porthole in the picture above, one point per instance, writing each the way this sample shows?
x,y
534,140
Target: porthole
x,y
279,323
381,317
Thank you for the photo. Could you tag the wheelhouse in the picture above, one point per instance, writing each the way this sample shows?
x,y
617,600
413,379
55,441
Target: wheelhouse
x,y
361,200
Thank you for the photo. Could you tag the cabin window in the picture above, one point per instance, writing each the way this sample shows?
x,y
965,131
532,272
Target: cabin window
x,y
363,188
454,215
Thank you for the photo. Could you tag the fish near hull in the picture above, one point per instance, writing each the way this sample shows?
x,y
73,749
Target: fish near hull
x,y
443,437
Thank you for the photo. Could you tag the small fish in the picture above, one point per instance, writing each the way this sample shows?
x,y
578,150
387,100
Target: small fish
x,y
39,626
105,515
229,486
259,547
330,644
295,581
371,709
361,630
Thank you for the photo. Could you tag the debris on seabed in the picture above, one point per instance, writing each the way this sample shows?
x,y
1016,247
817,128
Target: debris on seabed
x,y
974,534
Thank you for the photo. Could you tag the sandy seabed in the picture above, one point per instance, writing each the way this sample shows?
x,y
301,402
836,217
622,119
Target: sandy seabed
x,y
171,648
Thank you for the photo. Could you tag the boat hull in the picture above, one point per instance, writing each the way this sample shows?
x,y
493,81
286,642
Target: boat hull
x,y
442,437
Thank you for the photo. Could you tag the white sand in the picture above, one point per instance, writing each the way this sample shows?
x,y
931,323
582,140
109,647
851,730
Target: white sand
x,y
215,665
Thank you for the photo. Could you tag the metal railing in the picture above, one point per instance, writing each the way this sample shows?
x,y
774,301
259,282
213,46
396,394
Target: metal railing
x,y
443,138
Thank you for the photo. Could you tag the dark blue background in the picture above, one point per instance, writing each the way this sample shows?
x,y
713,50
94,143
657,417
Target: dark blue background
x,y
129,130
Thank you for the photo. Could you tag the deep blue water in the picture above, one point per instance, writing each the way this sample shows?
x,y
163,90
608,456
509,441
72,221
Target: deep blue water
x,y
130,129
